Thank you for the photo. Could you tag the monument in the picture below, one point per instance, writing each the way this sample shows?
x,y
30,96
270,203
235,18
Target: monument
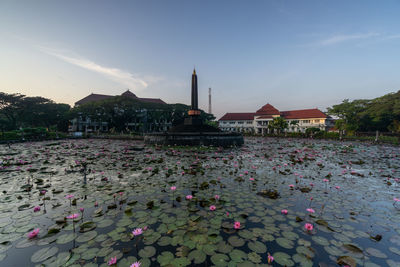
x,y
193,131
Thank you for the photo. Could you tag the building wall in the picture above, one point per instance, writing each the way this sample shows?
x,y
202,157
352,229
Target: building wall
x,y
261,126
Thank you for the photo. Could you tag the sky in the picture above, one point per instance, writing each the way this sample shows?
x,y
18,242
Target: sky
x,y
291,54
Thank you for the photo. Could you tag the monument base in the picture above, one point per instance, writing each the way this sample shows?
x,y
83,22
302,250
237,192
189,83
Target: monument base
x,y
193,120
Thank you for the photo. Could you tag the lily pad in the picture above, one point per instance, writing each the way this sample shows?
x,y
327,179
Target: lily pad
x,y
44,254
197,256
235,241
165,258
147,252
257,247
85,237
283,259
220,259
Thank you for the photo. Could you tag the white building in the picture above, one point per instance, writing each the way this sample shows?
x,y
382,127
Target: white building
x,y
298,120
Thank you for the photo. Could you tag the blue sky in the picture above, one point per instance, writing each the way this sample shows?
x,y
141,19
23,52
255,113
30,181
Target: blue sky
x,y
292,54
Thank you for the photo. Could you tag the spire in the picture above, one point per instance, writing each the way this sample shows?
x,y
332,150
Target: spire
x,y
194,91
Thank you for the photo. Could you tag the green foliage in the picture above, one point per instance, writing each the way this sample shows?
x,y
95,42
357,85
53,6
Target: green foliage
x,y
279,124
38,133
18,111
119,110
368,115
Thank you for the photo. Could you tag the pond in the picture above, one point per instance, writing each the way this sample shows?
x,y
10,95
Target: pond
x,y
272,202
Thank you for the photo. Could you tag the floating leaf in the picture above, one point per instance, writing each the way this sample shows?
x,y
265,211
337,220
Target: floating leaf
x,y
197,256
65,238
165,258
44,254
346,260
147,252
85,237
219,259
254,257
238,255
283,259
376,253
257,247
352,248
236,241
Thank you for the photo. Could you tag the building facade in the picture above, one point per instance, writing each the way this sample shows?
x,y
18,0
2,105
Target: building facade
x,y
259,121
144,120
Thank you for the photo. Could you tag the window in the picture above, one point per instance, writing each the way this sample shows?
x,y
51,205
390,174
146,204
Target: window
x,y
306,121
240,122
316,121
249,122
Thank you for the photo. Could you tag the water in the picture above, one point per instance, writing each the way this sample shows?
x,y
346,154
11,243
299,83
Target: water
x,y
181,232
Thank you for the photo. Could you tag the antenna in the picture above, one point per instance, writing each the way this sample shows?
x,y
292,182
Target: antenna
x,y
209,100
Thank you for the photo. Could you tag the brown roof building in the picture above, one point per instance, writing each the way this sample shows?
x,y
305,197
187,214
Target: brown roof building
x,y
98,97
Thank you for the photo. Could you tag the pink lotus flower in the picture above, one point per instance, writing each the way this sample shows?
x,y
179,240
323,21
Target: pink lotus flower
x,y
36,209
69,196
81,209
216,197
270,259
145,228
189,197
227,214
121,193
137,231
212,207
34,233
284,212
73,216
310,210
135,264
291,186
337,187
311,184
237,225
173,188
308,226
251,179
396,199
326,180
96,204
112,261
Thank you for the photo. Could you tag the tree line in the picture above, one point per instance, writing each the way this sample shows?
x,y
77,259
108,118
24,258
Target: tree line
x,y
19,111
365,115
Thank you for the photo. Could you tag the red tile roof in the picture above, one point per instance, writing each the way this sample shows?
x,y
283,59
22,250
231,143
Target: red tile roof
x,y
92,98
238,117
127,93
265,117
268,109
303,114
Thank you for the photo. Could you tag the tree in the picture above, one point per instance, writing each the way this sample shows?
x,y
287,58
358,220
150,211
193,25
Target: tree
x,y
120,111
21,111
279,124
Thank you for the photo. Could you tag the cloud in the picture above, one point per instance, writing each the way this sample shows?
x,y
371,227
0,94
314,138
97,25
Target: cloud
x,y
120,76
344,38
390,37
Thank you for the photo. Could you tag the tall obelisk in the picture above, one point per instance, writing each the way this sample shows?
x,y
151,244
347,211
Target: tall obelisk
x,y
195,104
194,112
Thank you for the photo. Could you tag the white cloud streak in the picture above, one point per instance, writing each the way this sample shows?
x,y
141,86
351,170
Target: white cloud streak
x,y
344,38
117,75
